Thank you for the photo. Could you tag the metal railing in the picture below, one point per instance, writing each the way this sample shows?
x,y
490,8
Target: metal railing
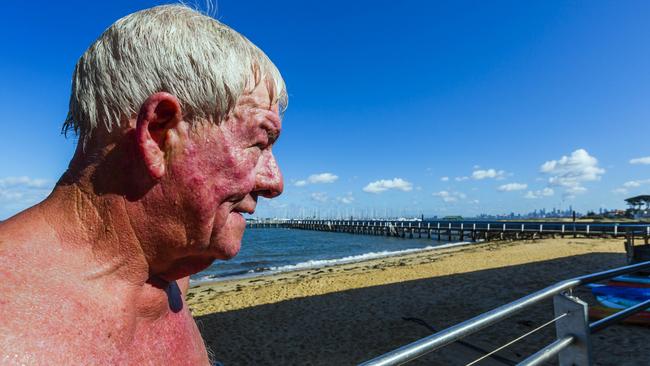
x,y
572,326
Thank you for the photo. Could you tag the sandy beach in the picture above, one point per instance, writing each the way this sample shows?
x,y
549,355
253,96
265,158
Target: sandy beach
x,y
346,314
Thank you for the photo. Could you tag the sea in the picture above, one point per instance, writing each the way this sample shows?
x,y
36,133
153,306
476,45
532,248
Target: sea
x,y
271,250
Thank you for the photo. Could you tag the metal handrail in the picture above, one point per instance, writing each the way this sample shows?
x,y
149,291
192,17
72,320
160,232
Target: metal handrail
x,y
440,339
548,352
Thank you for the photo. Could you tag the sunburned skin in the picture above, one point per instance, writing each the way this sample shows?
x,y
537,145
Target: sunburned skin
x,y
97,273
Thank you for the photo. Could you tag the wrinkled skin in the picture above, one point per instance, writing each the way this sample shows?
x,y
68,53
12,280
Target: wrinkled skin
x,y
97,273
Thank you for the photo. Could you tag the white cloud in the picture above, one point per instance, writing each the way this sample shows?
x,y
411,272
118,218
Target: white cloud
x,y
546,192
644,160
317,179
450,196
322,178
386,184
488,174
512,187
631,185
26,182
636,183
319,197
18,193
461,179
444,179
275,203
347,199
570,172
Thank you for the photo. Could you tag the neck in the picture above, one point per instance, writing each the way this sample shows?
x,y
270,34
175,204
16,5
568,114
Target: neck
x,y
97,226
95,231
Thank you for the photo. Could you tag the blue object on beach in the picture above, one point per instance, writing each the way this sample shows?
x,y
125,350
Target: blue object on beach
x,y
633,279
617,297
618,303
637,294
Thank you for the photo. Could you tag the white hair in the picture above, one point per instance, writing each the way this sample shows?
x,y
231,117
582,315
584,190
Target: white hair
x,y
170,48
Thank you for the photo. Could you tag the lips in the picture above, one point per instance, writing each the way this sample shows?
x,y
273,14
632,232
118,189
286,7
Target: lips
x,y
246,205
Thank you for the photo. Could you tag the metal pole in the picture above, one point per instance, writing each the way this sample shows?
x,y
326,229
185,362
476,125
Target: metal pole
x,y
547,353
576,324
431,343
427,344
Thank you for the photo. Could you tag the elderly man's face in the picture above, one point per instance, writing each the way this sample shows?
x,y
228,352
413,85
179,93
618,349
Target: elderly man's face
x,y
221,172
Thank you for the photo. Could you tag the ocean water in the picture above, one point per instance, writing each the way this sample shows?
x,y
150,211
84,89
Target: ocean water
x,y
266,251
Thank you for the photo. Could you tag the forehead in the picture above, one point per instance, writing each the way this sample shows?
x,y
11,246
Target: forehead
x,y
257,104
259,97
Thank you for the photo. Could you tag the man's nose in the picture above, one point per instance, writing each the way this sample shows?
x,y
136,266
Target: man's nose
x,y
269,182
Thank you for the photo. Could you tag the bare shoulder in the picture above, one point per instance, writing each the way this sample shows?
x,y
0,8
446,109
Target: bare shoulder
x,y
44,317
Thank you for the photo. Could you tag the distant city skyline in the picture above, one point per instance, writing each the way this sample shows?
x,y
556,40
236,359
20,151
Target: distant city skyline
x,y
434,108
391,213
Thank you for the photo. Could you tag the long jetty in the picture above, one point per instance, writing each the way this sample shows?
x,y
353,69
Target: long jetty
x,y
465,230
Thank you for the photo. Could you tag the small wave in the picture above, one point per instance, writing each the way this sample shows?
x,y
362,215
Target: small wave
x,y
316,263
358,258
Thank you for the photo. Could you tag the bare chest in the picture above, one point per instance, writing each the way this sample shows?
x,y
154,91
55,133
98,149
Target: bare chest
x,y
87,331
173,340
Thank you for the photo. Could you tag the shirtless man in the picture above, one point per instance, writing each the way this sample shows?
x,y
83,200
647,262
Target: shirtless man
x,y
176,115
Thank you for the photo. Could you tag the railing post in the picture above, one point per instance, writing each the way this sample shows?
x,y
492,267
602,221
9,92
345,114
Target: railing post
x,y
576,324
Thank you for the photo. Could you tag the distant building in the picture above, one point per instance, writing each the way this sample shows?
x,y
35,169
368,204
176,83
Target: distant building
x,y
637,209
452,218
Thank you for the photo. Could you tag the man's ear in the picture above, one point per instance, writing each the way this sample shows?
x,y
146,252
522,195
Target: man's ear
x,y
160,113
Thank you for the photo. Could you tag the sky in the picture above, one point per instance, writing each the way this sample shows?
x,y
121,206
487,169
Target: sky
x,y
395,108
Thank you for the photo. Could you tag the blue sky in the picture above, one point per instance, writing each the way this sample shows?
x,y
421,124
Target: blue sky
x,y
406,107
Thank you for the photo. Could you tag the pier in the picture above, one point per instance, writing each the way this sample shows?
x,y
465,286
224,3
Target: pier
x,y
465,230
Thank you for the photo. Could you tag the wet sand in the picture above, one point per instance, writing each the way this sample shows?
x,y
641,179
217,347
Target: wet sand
x,y
346,314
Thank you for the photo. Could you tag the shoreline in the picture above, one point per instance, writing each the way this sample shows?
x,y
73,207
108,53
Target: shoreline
x,y
350,313
526,251
319,264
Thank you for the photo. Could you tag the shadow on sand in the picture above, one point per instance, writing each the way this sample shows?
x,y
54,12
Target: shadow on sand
x,y
348,327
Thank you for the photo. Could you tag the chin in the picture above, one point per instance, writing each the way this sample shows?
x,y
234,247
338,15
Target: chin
x,y
229,250
227,241
185,267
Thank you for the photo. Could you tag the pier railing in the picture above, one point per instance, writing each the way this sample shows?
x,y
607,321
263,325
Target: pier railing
x,y
465,230
573,330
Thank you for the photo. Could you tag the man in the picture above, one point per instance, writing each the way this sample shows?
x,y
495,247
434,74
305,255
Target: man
x,y
176,116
